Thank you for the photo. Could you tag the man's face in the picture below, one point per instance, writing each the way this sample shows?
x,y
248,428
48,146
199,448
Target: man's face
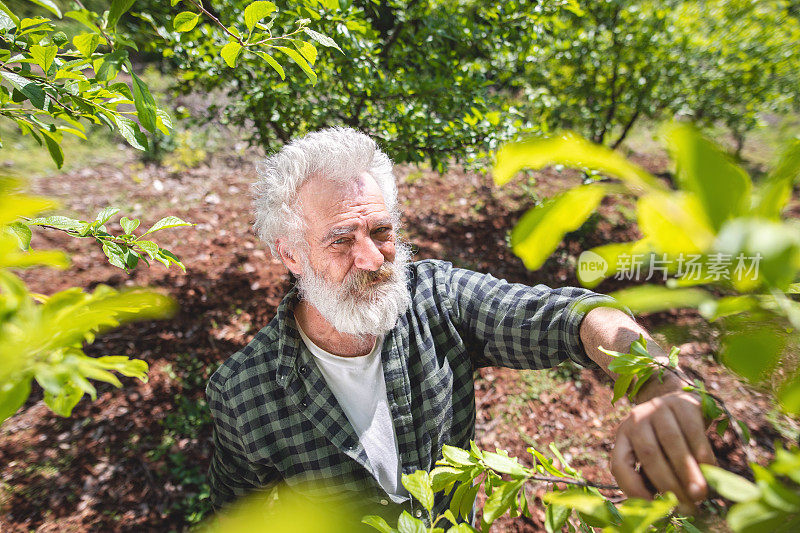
x,y
354,271
349,228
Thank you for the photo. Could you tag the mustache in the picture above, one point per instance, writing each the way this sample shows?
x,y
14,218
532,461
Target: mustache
x,y
359,281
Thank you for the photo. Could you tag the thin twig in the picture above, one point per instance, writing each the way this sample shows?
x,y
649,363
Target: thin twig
x,y
577,482
105,36
199,6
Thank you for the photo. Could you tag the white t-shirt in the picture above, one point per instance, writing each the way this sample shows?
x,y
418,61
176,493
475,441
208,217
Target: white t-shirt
x,y
359,386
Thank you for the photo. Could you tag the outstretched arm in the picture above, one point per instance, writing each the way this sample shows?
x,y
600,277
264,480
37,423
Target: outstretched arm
x,y
665,432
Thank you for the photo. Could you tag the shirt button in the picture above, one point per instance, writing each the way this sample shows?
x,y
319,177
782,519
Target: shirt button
x,y
418,513
384,502
304,404
304,370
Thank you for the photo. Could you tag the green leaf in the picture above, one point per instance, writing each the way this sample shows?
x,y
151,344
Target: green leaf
x,y
775,192
593,506
131,132
118,8
12,396
775,492
458,496
729,485
789,396
324,40
44,55
745,430
504,464
572,150
546,463
501,499
128,225
59,222
419,485
307,50
637,515
106,214
257,11
85,17
443,477
378,523
709,407
468,499
170,258
755,517
165,223
641,379
23,234
185,21
408,524
752,352
457,456
63,402
722,426
108,66
651,298
27,87
115,254
53,147
721,186
674,223
48,5
163,121
87,43
621,386
555,516
145,103
149,247
302,63
673,356
274,64
540,230
230,52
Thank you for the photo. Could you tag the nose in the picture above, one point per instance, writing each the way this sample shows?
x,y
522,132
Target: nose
x,y
367,256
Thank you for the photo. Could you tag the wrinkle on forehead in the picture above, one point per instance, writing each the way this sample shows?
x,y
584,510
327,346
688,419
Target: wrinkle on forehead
x,y
327,201
326,194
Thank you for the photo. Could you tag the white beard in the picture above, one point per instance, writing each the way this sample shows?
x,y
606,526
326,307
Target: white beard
x,y
356,306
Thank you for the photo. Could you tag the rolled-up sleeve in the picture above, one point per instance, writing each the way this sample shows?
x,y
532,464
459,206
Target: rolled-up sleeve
x,y
521,326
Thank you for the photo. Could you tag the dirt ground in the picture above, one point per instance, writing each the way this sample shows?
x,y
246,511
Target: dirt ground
x,y
135,459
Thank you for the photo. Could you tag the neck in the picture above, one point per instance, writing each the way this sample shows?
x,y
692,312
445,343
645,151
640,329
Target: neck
x,y
324,335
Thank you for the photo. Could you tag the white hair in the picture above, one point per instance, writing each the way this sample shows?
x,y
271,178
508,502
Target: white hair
x,y
338,154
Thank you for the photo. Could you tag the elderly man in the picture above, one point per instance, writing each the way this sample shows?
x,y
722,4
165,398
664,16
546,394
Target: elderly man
x,y
367,368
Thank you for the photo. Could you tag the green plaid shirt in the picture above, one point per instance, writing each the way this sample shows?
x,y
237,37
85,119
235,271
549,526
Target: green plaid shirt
x,y
276,419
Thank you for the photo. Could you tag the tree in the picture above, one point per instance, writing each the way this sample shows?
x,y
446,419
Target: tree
x,y
417,75
52,85
602,67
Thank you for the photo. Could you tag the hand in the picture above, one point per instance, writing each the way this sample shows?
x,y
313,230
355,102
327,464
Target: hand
x,y
666,436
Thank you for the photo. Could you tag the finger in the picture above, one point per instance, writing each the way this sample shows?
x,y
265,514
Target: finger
x,y
670,435
655,464
623,467
690,417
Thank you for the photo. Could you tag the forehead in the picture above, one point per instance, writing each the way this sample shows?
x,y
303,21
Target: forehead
x,y
326,203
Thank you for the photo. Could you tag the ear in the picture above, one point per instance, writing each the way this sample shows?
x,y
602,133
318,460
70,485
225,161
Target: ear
x,y
289,257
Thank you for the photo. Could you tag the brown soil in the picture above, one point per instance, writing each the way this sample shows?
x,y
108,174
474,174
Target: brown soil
x,y
135,459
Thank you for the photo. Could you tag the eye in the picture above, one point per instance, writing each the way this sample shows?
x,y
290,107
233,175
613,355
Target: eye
x,y
339,241
382,231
